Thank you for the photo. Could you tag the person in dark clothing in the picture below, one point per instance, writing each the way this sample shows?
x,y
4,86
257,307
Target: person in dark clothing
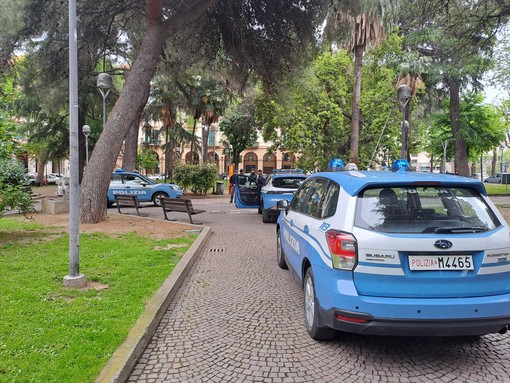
x,y
252,177
260,179
236,180
232,184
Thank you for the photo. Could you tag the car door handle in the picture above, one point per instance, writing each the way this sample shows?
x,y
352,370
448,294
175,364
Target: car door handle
x,y
306,229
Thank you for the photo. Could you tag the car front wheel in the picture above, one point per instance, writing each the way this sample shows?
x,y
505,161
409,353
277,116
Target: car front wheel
x,y
266,217
279,252
156,198
313,327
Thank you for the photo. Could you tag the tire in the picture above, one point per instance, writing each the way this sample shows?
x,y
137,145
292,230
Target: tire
x,y
280,259
311,308
266,217
157,197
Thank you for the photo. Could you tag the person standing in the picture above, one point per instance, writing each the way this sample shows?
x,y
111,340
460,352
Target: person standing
x,y
252,177
232,184
260,179
237,180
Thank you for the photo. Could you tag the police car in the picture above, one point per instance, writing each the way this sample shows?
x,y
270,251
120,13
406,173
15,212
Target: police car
x,y
280,185
132,183
397,253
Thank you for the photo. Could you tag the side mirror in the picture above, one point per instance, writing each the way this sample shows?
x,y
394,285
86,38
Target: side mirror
x,y
282,205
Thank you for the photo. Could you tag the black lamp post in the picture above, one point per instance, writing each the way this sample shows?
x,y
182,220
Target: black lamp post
x,y
404,95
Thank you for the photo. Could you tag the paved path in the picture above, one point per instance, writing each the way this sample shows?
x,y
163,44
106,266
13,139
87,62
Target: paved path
x,y
239,318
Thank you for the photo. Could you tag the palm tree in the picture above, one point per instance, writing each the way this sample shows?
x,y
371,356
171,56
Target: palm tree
x,y
207,100
358,25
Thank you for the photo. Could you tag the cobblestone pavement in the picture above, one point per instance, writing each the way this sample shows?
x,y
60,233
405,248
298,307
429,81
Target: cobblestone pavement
x,y
239,318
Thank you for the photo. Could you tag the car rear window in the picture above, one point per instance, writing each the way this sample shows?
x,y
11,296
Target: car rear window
x,y
430,209
287,182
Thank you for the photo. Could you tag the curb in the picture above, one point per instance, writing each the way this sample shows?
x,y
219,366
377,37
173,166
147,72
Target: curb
x,y
124,359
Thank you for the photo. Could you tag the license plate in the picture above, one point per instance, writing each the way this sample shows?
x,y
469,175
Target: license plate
x,y
440,262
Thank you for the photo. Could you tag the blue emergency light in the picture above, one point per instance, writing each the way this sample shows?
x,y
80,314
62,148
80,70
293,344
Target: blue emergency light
x,y
336,165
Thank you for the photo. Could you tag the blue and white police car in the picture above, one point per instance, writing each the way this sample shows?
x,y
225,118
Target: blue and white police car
x,y
132,183
280,185
397,253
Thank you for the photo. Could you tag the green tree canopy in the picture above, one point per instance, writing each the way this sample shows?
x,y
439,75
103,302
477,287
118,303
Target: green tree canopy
x,y
481,126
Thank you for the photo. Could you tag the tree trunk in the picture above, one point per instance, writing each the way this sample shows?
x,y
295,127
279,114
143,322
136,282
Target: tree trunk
x,y
131,147
192,148
461,158
129,106
205,144
356,97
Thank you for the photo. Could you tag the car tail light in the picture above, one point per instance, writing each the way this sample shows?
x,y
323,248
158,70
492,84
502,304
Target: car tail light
x,y
342,247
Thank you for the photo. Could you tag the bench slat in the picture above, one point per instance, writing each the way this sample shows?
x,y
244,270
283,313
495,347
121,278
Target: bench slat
x,y
127,200
181,205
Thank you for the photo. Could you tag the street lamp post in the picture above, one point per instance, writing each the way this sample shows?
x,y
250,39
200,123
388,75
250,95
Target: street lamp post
x,y
501,167
74,279
404,95
86,132
104,84
445,145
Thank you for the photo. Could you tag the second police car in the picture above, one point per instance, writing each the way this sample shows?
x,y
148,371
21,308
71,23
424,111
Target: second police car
x,y
281,184
402,253
132,183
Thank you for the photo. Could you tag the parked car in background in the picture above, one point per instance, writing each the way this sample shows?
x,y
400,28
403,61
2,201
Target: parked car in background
x,y
397,253
281,185
156,177
132,183
494,179
32,179
52,178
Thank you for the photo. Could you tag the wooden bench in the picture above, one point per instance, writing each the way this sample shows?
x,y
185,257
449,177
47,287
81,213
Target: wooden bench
x,y
127,200
182,205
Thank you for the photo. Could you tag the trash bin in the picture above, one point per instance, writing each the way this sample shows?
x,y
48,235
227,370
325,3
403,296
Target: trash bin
x,y
220,188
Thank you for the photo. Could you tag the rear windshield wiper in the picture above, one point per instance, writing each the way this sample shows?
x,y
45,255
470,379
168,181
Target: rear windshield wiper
x,y
456,229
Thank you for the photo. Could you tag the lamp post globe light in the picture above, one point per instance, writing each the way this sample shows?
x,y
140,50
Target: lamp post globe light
x,y
404,94
86,132
104,84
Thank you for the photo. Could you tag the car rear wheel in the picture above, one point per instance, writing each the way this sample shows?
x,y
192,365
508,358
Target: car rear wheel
x,y
156,198
315,330
279,252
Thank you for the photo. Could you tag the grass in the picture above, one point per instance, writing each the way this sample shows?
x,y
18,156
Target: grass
x,y
497,189
52,334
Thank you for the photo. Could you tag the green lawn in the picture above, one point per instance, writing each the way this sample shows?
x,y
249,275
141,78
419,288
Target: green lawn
x,y
52,334
494,189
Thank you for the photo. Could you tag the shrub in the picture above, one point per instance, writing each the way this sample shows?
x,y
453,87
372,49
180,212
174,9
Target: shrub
x,y
14,189
197,178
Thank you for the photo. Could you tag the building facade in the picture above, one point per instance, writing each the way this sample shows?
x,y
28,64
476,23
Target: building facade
x,y
218,151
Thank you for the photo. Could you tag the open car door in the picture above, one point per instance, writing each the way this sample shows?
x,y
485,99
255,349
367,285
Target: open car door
x,y
247,194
